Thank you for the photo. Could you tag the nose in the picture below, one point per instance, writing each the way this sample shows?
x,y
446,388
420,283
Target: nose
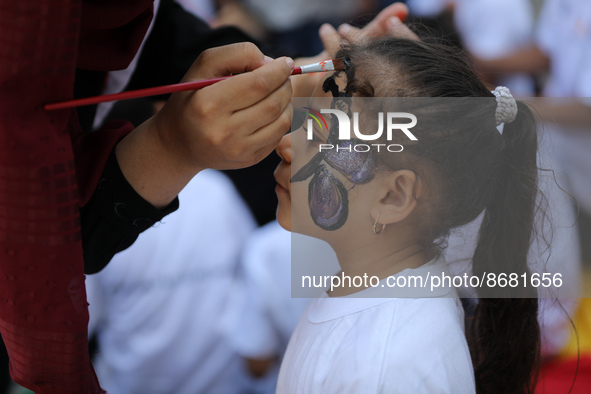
x,y
284,148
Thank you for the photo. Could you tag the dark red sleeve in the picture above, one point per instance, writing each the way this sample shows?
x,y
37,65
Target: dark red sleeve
x,y
43,309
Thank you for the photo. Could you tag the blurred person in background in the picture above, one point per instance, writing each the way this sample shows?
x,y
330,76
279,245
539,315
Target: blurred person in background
x,y
561,51
291,27
156,308
265,310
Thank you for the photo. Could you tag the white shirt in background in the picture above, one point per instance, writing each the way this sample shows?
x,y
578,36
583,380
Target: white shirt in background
x,y
157,307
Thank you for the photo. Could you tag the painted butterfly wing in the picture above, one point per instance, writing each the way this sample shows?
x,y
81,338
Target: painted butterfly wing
x,y
356,166
328,201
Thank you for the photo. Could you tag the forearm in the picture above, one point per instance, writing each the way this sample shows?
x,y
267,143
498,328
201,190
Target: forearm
x,y
563,111
151,169
528,60
114,217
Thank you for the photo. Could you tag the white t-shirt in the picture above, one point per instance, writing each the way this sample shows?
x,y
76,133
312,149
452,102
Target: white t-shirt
x,y
379,345
157,306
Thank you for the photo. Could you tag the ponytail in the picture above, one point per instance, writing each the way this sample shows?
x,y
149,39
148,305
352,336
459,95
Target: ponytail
x,y
504,333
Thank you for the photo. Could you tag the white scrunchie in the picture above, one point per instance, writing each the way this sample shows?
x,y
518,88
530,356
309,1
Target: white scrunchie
x,y
506,105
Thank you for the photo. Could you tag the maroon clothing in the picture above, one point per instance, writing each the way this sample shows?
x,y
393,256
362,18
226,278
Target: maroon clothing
x,y
48,169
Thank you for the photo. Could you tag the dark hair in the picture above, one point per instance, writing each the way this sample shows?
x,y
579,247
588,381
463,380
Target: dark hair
x,y
483,171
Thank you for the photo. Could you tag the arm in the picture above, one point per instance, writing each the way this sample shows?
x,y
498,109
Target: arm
x,y
529,60
232,124
563,111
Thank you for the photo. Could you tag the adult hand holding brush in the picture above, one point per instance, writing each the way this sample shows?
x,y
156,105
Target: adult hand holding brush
x,y
233,123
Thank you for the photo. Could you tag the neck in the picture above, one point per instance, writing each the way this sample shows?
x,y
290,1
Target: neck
x,y
379,258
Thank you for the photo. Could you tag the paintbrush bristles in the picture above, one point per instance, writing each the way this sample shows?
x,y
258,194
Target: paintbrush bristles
x,y
339,64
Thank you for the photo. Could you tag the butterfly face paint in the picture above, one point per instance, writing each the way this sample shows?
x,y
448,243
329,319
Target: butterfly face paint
x,y
327,196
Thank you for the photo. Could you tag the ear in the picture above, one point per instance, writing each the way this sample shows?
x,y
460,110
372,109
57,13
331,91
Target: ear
x,y
397,197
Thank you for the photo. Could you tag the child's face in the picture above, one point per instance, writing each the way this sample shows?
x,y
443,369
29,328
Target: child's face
x,y
340,195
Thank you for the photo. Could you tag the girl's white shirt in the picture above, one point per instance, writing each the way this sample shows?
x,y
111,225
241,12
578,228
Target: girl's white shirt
x,y
361,344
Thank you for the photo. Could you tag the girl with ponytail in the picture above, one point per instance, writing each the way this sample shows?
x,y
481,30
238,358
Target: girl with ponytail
x,y
388,215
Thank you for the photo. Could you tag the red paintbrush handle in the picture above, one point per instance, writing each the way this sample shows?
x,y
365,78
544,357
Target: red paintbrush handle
x,y
166,89
177,87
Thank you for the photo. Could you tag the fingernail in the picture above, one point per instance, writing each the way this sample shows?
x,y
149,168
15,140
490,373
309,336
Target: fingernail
x,y
393,22
324,29
289,62
345,28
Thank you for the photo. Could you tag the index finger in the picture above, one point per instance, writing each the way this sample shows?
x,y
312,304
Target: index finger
x,y
245,90
377,26
226,60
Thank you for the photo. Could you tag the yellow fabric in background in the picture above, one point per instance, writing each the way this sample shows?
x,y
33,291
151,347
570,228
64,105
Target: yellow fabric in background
x,y
582,321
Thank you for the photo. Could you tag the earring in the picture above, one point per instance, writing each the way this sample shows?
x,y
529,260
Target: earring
x,y
375,225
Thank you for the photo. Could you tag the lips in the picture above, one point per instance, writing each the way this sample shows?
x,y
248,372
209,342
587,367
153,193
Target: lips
x,y
281,179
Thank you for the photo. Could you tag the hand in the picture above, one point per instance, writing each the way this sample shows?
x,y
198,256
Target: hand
x,y
389,22
234,123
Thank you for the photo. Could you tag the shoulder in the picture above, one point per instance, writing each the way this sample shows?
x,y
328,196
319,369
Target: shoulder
x,y
380,345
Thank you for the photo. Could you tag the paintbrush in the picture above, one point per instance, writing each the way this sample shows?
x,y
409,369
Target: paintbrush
x,y
326,65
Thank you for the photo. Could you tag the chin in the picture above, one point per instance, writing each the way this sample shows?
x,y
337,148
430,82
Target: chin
x,y
284,215
284,222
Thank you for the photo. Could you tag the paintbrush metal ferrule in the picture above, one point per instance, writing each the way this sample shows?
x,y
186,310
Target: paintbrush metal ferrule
x,y
325,65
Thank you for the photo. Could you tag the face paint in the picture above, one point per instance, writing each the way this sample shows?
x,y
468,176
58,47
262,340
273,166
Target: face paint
x,y
327,196
331,86
328,200
356,166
